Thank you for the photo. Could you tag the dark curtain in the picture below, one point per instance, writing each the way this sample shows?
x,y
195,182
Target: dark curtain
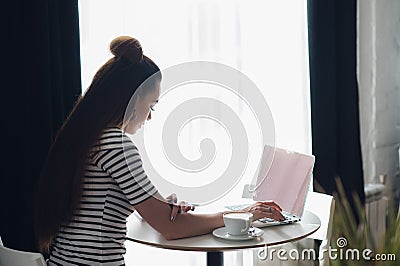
x,y
41,83
334,96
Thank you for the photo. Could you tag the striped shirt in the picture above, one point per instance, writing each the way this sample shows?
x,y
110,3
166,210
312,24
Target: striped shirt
x,y
114,183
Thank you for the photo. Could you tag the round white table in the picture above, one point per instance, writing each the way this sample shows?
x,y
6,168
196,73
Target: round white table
x,y
142,232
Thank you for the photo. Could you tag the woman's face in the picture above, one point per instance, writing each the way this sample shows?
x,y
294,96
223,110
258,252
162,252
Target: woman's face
x,y
143,108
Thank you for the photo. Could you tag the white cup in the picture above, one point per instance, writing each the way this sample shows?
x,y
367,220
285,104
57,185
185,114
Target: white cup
x,y
237,223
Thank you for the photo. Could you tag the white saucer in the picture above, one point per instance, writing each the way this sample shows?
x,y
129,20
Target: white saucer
x,y
222,233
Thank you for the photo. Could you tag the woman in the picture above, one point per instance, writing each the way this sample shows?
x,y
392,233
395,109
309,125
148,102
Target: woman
x,y
93,178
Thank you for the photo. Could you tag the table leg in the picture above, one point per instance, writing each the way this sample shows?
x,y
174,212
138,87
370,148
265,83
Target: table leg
x,y
215,258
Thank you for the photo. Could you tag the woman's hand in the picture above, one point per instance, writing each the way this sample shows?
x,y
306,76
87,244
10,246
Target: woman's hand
x,y
267,209
182,207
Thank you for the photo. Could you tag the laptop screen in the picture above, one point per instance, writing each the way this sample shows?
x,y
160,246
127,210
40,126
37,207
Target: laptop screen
x,y
287,180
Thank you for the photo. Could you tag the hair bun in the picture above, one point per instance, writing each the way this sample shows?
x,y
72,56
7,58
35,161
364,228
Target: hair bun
x,y
128,48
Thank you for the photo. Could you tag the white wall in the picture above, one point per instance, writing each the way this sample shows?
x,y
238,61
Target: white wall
x,y
379,87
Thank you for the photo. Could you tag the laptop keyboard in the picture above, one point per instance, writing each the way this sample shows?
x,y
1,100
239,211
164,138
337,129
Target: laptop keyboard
x,y
288,217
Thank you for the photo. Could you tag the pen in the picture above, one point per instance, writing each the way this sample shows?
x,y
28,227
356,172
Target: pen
x,y
192,205
188,204
138,216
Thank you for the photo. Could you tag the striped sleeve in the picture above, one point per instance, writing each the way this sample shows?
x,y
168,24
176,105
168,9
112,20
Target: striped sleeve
x,y
123,163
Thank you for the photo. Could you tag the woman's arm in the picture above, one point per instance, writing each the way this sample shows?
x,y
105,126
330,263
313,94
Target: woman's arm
x,y
158,214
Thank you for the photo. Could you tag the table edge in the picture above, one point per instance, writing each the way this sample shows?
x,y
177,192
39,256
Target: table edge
x,y
205,249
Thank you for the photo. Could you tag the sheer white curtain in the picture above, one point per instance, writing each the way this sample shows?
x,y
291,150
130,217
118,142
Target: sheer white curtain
x,y
266,40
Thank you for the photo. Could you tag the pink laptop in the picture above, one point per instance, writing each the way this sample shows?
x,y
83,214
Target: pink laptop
x,y
286,182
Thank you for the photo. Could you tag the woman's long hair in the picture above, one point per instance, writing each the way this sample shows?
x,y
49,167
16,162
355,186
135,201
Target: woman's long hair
x,y
59,189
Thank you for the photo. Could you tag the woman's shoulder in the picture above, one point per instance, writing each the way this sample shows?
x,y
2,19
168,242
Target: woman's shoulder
x,y
113,138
